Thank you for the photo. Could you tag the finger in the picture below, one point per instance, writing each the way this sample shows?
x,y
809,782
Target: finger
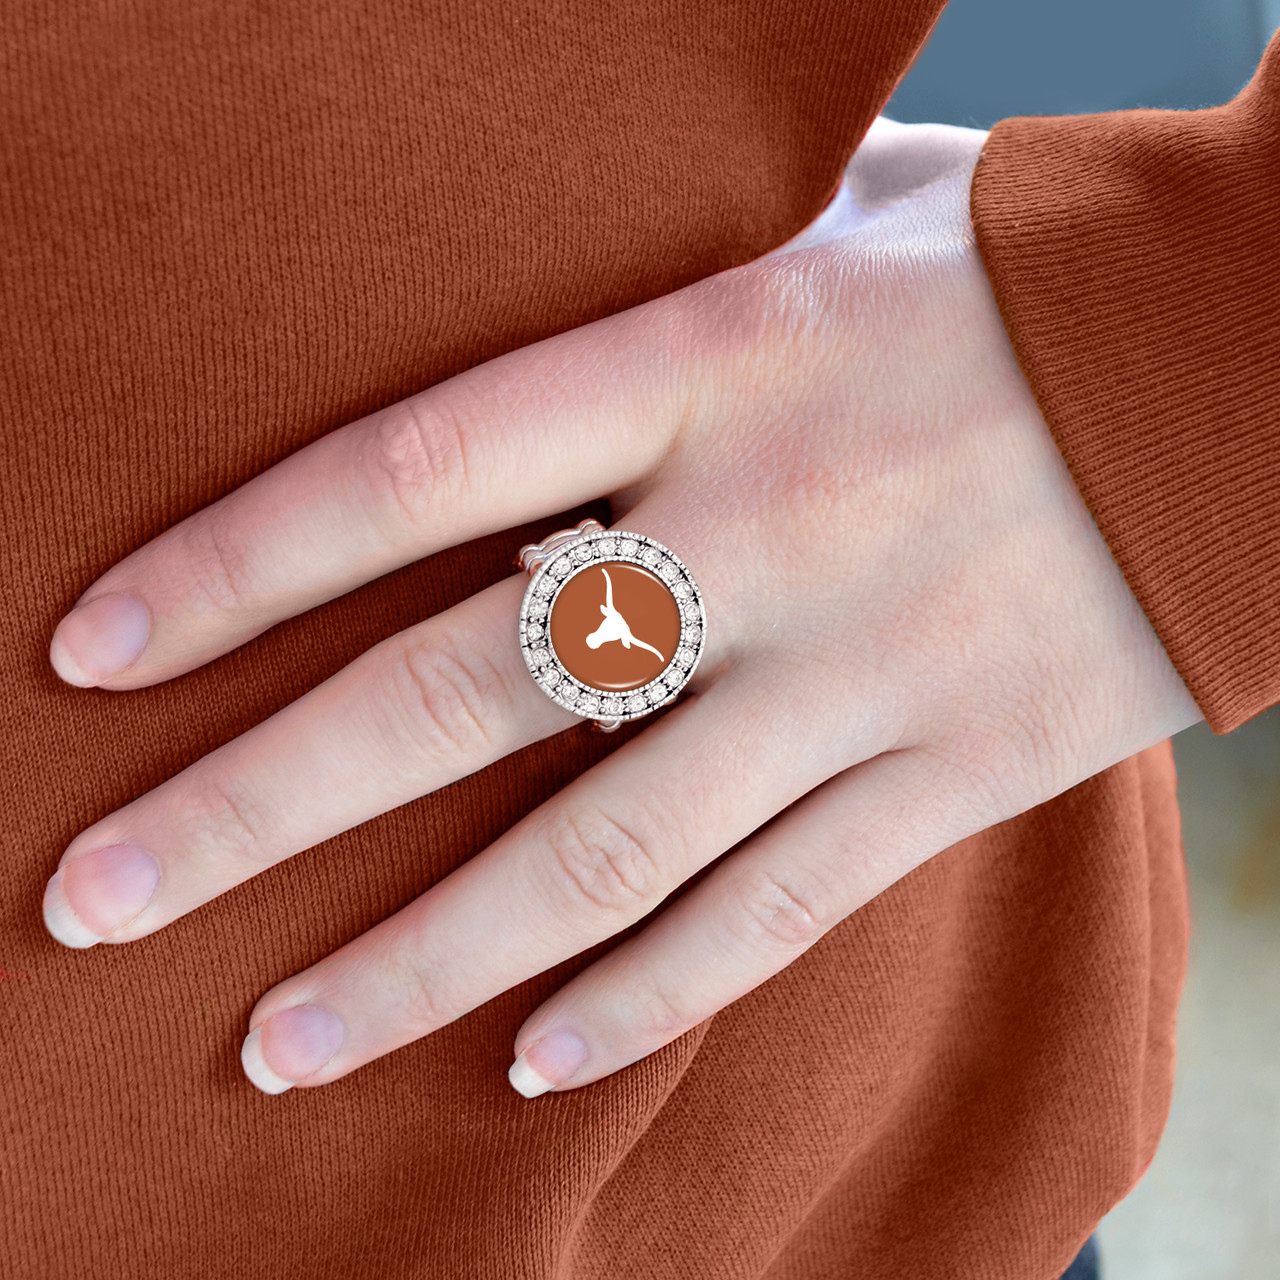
x,y
414,713
594,859
751,917
533,432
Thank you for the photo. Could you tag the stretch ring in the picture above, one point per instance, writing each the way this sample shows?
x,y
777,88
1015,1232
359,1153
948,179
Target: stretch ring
x,y
612,623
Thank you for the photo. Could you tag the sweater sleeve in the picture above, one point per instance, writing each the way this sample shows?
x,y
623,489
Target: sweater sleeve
x,y
1135,259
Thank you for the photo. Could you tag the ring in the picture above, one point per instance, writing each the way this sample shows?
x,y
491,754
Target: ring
x,y
611,624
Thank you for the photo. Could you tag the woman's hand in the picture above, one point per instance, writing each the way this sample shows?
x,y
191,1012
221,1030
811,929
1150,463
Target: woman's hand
x,y
914,631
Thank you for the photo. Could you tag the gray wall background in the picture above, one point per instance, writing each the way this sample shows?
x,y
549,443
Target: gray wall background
x,y
993,58
1209,1206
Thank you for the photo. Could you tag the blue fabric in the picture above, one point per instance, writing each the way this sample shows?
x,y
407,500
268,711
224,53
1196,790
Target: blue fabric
x,y
1085,1264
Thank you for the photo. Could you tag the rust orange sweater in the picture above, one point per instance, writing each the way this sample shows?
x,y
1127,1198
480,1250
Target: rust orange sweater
x,y
229,228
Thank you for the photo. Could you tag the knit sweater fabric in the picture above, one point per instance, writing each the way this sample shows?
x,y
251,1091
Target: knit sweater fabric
x,y
230,228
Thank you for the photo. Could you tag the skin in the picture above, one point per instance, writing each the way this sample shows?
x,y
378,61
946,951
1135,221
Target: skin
x,y
915,631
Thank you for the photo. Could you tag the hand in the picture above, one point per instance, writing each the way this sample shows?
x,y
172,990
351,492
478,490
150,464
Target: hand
x,y
914,631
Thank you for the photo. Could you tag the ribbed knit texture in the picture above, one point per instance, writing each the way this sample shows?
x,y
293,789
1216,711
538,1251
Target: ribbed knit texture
x,y
232,227
1135,257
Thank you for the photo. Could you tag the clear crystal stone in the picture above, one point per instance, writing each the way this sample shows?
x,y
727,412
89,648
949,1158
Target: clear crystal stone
x,y
567,693
590,704
669,572
657,692
608,546
636,702
684,657
652,556
540,657
611,707
533,630
582,552
689,608
545,586
692,633
562,566
627,547
682,590
551,676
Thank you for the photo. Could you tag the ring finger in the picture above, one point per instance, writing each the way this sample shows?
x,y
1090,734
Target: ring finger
x,y
593,859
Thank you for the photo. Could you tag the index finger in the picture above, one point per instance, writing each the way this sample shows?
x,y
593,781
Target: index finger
x,y
536,431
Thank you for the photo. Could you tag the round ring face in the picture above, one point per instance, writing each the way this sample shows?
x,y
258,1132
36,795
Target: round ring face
x,y
612,625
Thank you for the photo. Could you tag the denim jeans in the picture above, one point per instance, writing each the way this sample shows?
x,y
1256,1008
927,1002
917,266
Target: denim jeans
x,y
1085,1264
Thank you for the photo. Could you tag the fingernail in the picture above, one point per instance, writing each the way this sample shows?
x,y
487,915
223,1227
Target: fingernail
x,y
297,1042
547,1063
61,921
97,640
89,898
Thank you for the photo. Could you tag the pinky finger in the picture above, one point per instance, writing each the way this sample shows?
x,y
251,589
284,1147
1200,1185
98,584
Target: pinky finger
x,y
818,862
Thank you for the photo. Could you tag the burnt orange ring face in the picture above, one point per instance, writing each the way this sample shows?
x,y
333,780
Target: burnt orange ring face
x,y
612,625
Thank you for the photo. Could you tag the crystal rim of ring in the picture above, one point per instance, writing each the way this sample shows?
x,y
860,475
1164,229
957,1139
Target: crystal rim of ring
x,y
564,564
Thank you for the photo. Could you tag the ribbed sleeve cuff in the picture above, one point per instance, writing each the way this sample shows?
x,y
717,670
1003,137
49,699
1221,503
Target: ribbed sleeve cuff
x,y
1135,259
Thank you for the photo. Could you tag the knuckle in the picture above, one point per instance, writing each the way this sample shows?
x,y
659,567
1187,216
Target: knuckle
x,y
418,456
423,1002
789,916
762,307
599,864
446,704
218,566
1019,743
660,1015
224,822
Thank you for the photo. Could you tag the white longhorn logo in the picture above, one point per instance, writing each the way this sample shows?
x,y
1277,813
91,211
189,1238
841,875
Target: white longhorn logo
x,y
614,626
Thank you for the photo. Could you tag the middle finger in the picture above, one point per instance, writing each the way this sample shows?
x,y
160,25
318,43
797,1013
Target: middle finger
x,y
416,712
